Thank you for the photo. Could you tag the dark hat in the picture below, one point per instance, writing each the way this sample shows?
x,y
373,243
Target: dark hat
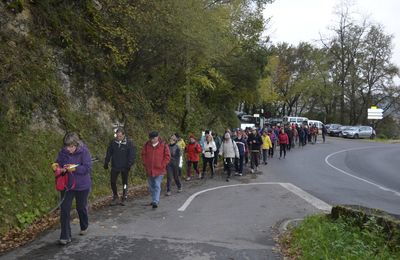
x,y
153,134
207,132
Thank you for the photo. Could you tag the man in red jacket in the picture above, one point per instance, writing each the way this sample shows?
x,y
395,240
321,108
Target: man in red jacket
x,y
155,156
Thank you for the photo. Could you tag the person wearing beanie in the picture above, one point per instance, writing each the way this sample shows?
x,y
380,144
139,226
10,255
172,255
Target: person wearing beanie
x,y
155,156
193,149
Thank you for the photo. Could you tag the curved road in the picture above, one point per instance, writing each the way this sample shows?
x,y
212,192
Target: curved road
x,y
213,219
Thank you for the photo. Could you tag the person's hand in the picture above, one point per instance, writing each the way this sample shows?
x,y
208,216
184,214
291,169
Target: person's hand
x,y
67,167
105,166
54,166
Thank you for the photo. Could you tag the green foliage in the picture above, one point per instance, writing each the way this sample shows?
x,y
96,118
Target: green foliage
x,y
15,6
171,66
320,237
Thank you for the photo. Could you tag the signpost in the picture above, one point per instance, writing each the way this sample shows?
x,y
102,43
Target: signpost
x,y
375,113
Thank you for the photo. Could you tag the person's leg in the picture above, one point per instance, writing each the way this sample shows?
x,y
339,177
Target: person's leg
x,y
281,150
124,175
241,159
216,158
65,217
170,175
203,173
284,151
157,189
252,160
81,198
265,154
113,181
150,181
196,168
189,170
229,167
175,172
257,160
211,162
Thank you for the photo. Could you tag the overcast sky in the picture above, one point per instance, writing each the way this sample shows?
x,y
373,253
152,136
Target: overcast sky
x,y
293,21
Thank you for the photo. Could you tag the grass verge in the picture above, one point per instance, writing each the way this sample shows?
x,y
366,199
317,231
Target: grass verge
x,y
321,237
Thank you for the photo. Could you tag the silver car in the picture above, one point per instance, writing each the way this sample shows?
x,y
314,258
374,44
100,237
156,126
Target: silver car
x,y
359,132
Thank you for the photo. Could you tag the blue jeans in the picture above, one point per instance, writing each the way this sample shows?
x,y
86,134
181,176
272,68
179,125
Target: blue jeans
x,y
155,187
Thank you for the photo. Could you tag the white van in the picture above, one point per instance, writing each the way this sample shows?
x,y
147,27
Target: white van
x,y
317,123
299,120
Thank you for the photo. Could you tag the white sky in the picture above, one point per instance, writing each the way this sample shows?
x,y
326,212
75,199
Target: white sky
x,y
293,21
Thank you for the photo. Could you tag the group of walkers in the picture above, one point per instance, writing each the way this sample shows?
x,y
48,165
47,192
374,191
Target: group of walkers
x,y
236,148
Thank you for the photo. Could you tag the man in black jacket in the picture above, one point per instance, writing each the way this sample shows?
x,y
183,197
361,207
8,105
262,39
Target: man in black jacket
x,y
121,152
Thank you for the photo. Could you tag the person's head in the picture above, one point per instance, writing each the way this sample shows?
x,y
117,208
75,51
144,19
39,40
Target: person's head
x,y
120,134
239,134
282,130
265,132
173,139
207,133
227,136
209,138
178,136
192,139
71,142
254,131
153,137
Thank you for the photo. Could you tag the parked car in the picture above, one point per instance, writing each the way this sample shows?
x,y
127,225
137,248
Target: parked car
x,y
339,131
333,129
359,132
248,119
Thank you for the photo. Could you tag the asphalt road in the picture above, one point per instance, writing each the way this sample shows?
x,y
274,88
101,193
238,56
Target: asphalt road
x,y
213,219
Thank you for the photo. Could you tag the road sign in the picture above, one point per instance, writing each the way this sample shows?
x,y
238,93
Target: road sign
x,y
375,113
256,115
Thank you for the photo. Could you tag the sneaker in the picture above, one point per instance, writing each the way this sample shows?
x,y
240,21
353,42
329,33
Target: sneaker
x,y
240,174
64,241
227,180
212,176
114,201
168,193
122,203
83,232
236,173
188,179
179,190
202,175
155,205
252,170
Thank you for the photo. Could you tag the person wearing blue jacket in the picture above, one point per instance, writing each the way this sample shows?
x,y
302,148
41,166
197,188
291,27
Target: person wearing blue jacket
x,y
75,160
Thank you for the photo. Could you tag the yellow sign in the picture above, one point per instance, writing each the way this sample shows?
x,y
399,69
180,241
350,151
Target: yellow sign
x,y
374,107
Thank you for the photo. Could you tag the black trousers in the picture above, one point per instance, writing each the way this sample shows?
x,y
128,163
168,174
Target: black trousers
x,y
282,149
228,162
114,176
173,173
81,198
209,161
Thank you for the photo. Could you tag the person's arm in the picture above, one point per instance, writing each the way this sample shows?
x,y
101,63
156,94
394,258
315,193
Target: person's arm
x,y
108,156
166,156
131,154
85,166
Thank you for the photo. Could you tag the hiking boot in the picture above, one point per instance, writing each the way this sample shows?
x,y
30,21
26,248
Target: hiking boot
x,y
155,205
114,201
168,193
64,241
83,232
123,201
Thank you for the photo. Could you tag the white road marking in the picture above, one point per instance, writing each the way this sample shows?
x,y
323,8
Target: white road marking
x,y
356,177
319,204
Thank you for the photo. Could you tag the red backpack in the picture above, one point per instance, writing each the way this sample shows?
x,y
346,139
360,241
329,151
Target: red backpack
x,y
62,180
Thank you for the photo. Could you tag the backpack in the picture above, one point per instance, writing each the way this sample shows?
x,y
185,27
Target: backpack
x,y
62,180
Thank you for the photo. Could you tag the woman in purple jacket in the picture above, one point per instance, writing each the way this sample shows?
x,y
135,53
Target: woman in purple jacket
x,y
74,160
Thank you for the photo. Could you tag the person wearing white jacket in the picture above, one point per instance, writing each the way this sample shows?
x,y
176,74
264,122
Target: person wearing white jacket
x,y
229,151
209,149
